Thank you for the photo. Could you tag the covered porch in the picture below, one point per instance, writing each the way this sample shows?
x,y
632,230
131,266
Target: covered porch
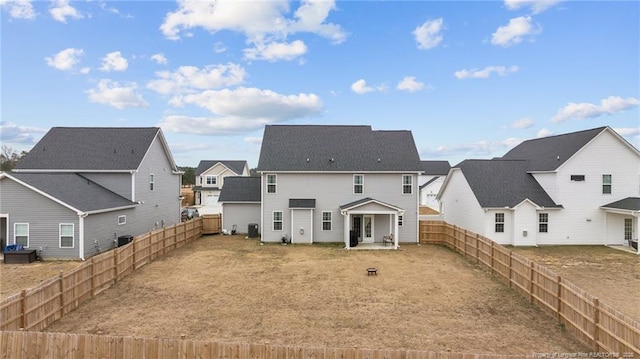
x,y
623,220
371,223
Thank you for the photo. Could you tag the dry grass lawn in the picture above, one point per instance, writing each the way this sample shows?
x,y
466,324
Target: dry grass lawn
x,y
610,274
16,277
231,289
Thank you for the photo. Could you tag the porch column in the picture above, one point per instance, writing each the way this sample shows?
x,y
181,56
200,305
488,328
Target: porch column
x,y
395,230
347,225
637,228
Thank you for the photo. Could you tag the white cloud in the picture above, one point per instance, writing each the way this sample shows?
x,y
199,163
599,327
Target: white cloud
x,y
262,22
410,84
114,94
523,123
191,78
60,10
159,58
219,47
12,133
480,148
428,34
66,59
114,61
253,140
485,73
544,133
514,31
537,6
360,87
608,106
628,131
19,9
241,109
276,51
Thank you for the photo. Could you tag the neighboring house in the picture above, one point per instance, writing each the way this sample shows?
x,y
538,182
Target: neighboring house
x,y
79,189
430,182
576,188
210,177
240,200
338,184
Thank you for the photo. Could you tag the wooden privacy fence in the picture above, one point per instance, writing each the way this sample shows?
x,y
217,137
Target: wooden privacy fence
x,y
36,308
18,345
597,324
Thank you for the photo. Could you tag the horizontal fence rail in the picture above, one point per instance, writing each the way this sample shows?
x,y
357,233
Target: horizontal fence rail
x,y
36,308
597,324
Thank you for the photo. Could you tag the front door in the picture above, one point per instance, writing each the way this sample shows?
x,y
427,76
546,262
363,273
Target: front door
x,y
367,229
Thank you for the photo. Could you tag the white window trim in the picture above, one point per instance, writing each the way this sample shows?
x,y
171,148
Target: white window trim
x,y
358,184
123,222
410,184
274,184
152,182
273,221
540,222
400,220
73,235
214,180
330,221
14,233
495,225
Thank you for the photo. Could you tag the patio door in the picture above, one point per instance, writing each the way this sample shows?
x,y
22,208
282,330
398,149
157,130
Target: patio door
x,y
367,229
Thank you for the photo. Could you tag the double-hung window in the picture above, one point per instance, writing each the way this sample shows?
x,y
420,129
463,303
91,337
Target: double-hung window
x,y
277,220
543,222
606,184
212,180
66,235
358,184
326,220
407,184
499,222
152,182
400,220
271,183
21,234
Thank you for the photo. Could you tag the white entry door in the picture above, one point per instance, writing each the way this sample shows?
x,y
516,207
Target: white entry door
x,y
367,229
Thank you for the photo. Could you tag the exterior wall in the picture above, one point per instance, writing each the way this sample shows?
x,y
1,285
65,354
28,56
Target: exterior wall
x,y
615,228
119,183
240,214
44,217
331,190
581,221
489,226
429,193
218,170
102,230
460,207
525,225
209,201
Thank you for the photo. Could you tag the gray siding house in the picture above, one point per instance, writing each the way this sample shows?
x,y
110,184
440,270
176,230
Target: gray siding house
x,y
346,184
80,189
240,200
210,179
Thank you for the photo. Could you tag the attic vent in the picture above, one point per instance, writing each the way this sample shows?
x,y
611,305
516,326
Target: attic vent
x,y
331,159
307,159
378,160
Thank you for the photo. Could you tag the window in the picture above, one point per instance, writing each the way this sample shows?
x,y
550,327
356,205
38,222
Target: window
x,y
212,180
66,235
577,178
543,222
271,183
277,220
152,181
407,184
122,220
499,222
358,184
21,234
628,229
326,221
400,220
606,184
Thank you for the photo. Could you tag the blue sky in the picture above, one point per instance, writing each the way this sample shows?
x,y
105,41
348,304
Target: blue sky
x,y
469,79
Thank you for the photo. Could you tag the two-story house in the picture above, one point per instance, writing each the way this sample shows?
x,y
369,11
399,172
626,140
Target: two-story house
x,y
210,175
80,189
575,188
430,182
346,184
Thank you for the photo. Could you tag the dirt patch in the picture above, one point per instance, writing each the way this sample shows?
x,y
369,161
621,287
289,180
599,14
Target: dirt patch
x,y
610,274
228,288
16,277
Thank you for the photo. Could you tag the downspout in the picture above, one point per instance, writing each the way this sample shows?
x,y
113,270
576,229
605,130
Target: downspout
x,y
81,218
262,207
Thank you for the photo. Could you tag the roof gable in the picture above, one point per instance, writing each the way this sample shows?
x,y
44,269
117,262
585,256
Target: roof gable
x,y
92,149
236,166
435,168
312,148
240,189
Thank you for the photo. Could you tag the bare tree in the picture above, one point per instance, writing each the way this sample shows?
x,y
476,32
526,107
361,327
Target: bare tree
x,y
9,157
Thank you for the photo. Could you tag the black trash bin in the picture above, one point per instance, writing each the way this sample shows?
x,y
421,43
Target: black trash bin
x,y
253,230
126,239
353,238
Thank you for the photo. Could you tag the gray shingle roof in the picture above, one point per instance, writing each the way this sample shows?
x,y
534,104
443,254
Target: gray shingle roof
x,y
75,190
435,168
629,203
549,153
503,183
302,203
363,201
337,148
240,189
90,148
235,166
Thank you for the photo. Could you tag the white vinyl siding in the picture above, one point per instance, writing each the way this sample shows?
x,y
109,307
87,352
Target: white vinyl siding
x,y
21,234
277,220
327,221
66,235
272,183
407,184
358,184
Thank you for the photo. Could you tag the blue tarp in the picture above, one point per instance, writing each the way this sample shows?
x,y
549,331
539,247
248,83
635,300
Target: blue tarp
x,y
13,247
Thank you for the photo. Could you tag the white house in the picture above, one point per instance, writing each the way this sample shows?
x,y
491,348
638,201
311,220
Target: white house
x,y
576,188
430,181
210,176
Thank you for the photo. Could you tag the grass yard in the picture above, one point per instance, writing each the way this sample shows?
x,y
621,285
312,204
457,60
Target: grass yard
x,y
231,289
16,277
610,274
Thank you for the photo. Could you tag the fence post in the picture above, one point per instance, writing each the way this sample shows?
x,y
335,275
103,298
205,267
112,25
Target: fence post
x,y
531,272
115,265
492,256
510,267
559,304
477,248
164,240
464,234
596,319
23,304
93,279
61,280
